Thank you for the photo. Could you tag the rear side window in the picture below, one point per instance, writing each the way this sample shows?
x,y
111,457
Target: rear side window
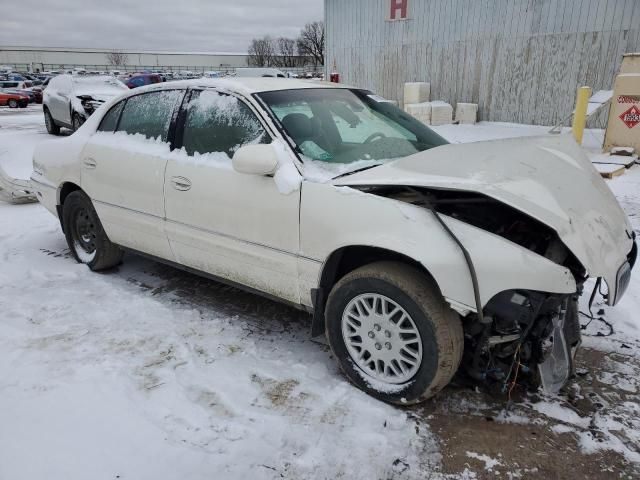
x,y
219,123
110,120
150,114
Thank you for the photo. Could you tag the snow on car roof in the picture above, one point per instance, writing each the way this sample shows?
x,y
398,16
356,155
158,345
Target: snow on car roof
x,y
248,85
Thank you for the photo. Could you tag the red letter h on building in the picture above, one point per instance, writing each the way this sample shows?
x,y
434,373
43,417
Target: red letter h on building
x,y
398,6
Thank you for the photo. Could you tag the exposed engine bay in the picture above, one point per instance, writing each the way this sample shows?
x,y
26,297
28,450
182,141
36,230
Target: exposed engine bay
x,y
520,335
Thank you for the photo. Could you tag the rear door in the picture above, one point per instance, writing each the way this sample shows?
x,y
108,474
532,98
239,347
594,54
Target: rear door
x,y
123,167
232,225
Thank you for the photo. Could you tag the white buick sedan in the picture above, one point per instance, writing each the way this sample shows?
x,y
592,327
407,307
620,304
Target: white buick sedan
x,y
416,257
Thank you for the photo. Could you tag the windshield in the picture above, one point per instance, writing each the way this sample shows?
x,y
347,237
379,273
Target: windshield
x,y
339,130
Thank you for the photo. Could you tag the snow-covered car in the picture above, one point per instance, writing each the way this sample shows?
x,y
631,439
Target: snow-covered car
x,y
69,100
413,255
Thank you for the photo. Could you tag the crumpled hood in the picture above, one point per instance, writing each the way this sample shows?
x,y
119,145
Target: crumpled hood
x,y
549,178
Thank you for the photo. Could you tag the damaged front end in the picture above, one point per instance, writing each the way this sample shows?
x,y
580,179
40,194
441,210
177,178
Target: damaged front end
x,y
525,335
558,224
519,334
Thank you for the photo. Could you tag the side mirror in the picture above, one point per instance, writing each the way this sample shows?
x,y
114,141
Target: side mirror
x,y
258,159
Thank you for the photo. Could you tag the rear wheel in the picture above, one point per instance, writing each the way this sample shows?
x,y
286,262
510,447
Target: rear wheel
x,y
85,236
52,128
13,103
392,333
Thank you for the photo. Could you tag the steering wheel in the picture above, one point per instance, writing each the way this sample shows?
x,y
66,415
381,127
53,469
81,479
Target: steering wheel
x,y
374,136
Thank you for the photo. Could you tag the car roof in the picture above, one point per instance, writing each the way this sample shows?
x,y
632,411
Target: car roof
x,y
248,85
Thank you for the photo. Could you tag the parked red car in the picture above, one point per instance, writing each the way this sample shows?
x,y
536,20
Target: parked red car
x,y
37,91
13,100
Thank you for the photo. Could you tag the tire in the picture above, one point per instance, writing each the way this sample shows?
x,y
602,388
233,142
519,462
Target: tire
x,y
52,128
85,236
13,103
77,121
436,338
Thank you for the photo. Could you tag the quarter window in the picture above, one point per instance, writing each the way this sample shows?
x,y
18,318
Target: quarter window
x,y
110,120
219,123
150,114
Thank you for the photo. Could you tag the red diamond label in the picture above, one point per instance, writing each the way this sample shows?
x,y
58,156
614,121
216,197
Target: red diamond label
x,y
631,117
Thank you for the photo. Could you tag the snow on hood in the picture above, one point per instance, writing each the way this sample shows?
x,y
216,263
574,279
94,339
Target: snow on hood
x,y
549,178
100,88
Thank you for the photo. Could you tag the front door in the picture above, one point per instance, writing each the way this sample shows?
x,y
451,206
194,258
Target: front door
x,y
232,225
123,166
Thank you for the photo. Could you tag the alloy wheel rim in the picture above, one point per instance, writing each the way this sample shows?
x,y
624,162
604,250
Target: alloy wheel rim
x,y
381,338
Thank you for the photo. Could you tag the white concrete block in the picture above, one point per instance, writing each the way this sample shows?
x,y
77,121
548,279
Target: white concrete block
x,y
441,113
416,92
421,111
466,113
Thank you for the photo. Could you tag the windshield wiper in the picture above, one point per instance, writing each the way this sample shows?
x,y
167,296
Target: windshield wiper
x,y
357,170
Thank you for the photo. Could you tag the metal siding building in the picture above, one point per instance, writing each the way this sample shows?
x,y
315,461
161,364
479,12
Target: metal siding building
x,y
520,60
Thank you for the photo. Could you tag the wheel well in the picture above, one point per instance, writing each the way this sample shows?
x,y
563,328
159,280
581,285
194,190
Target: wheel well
x,y
345,260
65,190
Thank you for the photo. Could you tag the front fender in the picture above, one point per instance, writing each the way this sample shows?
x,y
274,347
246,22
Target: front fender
x,y
336,217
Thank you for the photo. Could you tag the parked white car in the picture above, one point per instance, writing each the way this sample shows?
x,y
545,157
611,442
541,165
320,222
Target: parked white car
x,y
413,255
68,100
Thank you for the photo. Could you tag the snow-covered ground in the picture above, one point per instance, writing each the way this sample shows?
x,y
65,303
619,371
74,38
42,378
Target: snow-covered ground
x,y
151,373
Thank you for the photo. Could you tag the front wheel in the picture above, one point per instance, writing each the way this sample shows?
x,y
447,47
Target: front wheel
x,y
392,333
85,236
52,128
13,103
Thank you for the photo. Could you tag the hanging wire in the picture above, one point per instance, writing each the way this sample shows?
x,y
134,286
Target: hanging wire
x,y
592,317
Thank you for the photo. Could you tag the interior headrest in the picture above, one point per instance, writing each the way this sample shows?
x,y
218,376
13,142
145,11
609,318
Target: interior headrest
x,y
298,125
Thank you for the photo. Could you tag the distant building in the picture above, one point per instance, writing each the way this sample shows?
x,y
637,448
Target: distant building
x,y
520,60
51,58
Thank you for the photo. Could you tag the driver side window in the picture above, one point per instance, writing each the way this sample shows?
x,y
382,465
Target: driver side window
x,y
219,123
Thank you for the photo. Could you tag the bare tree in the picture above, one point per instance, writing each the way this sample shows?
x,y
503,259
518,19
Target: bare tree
x,y
285,52
311,42
117,59
261,52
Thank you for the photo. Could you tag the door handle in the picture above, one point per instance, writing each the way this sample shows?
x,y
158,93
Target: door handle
x,y
89,163
181,183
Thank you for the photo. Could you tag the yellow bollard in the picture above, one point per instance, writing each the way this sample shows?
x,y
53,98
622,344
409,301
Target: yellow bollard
x,y
580,113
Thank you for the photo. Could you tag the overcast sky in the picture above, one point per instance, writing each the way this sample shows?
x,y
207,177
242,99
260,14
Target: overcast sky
x,y
181,25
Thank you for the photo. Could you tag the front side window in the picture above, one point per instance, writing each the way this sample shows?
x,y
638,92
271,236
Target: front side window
x,y
150,114
342,130
217,122
110,120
